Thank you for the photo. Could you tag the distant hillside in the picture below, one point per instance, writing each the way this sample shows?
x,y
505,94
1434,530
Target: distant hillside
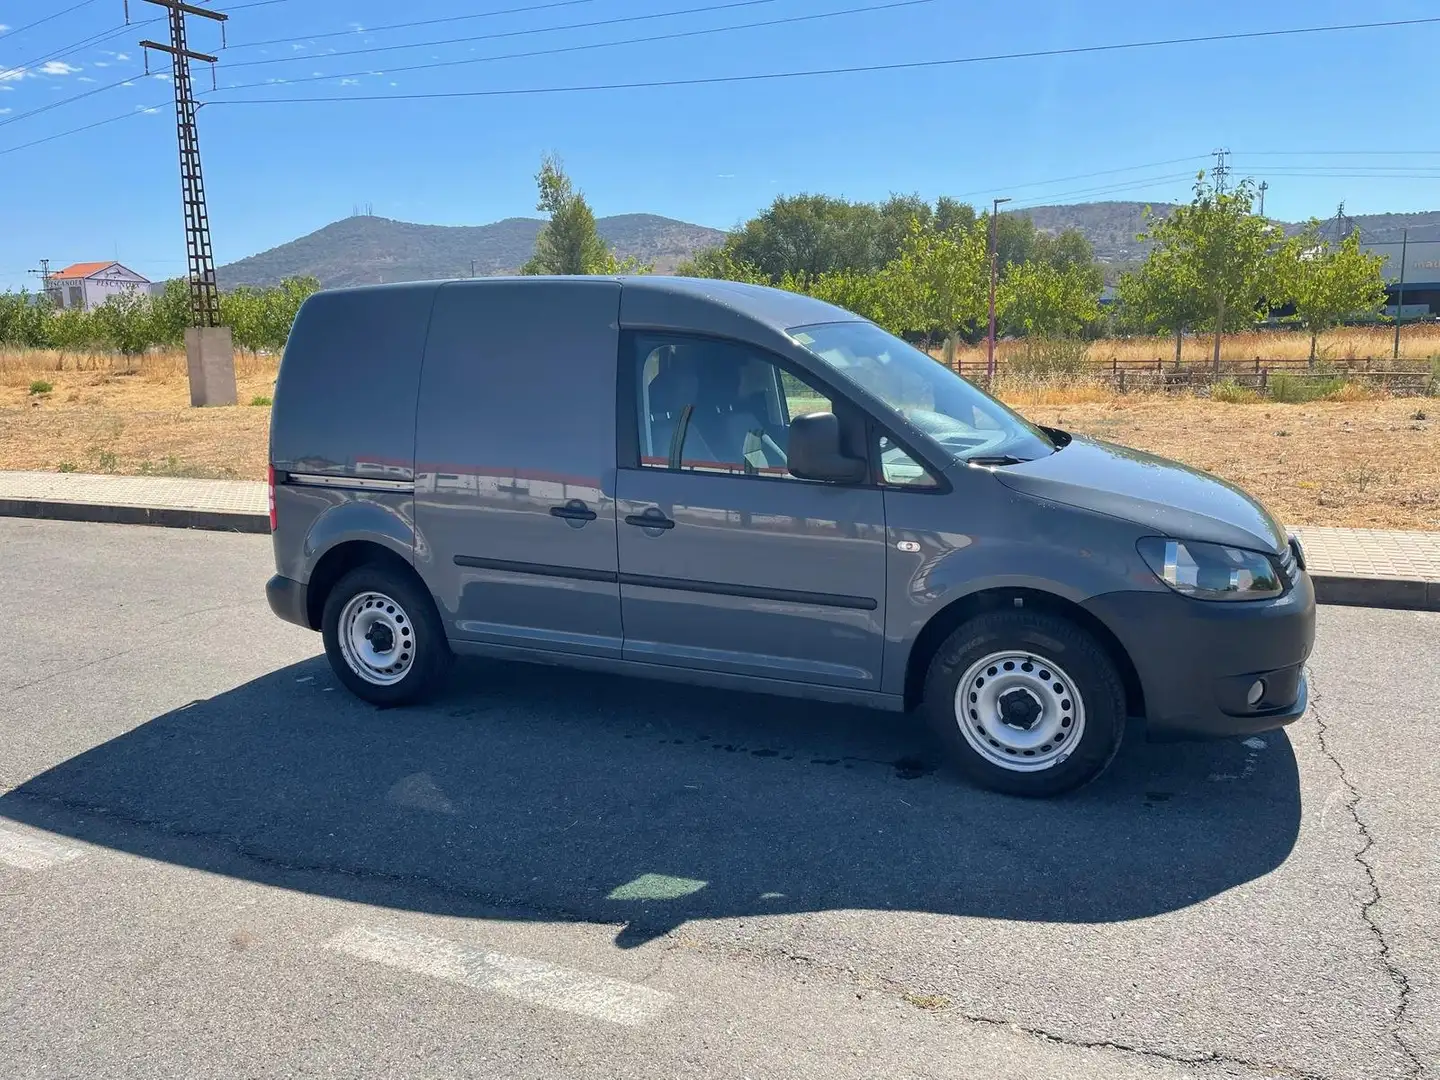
x,y
366,250
1111,227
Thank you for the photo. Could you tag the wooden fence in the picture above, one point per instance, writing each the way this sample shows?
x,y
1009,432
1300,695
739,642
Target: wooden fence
x,y
1408,377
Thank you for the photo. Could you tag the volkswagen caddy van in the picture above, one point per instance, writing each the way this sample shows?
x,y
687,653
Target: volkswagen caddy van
x,y
740,487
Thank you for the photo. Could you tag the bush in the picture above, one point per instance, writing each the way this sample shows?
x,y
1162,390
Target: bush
x,y
1232,393
40,386
261,399
1050,356
1297,389
1435,376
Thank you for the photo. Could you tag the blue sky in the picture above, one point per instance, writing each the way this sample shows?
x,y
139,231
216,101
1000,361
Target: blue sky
x,y
712,153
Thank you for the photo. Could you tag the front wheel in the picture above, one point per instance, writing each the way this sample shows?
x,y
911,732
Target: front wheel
x,y
1026,703
384,638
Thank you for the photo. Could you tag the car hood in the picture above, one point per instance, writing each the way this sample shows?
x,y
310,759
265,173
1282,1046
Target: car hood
x,y
1163,496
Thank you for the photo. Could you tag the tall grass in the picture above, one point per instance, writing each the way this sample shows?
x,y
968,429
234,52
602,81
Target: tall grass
x,y
1417,342
20,367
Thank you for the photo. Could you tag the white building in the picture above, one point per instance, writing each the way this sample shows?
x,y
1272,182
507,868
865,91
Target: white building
x,y
88,285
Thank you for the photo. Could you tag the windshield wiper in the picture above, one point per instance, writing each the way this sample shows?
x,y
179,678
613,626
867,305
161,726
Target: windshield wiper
x,y
995,459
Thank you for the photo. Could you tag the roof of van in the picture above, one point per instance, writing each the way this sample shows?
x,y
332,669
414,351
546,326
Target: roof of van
x,y
777,308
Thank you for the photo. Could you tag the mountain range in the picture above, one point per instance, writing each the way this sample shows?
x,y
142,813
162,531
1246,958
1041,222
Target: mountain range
x,y
365,250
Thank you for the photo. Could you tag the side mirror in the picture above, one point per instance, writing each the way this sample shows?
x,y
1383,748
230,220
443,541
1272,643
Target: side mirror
x,y
815,452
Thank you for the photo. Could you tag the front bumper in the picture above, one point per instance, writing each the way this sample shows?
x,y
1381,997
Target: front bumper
x,y
1197,660
289,599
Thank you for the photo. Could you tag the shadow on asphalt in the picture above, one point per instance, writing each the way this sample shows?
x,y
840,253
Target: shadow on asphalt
x,y
535,793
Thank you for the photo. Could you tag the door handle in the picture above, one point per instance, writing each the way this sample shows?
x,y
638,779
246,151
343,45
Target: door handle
x,y
574,510
650,519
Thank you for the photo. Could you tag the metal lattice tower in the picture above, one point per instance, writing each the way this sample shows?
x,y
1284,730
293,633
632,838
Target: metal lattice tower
x,y
204,291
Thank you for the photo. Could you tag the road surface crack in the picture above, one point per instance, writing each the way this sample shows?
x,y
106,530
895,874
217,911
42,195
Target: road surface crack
x,y
886,985
1367,909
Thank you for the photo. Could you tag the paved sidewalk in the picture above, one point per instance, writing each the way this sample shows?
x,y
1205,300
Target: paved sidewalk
x,y
225,505
1372,567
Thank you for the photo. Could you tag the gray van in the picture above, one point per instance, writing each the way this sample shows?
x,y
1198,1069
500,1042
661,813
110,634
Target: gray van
x,y
741,487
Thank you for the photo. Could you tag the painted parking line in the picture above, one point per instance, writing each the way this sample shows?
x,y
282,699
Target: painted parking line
x,y
532,981
26,852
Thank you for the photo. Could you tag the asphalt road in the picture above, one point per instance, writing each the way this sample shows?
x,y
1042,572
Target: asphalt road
x,y
213,861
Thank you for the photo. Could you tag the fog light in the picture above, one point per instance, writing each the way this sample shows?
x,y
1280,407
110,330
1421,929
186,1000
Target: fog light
x,y
1255,693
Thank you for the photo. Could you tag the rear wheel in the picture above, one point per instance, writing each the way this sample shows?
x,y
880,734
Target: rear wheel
x,y
1026,703
384,638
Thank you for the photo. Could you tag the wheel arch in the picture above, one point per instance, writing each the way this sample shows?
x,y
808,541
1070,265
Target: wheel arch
x,y
339,561
959,611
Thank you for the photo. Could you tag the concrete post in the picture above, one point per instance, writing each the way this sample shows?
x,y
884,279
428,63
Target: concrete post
x,y
210,360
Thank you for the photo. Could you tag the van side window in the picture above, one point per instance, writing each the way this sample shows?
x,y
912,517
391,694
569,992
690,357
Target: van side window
x,y
899,469
716,406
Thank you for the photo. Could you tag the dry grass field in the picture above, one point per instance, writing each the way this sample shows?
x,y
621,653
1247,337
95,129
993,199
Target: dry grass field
x,y
1364,460
1417,342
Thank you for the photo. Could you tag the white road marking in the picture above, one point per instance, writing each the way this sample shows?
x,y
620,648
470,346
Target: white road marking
x,y
25,852
531,981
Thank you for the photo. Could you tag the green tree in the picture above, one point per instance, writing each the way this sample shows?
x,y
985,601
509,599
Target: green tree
x,y
937,284
123,322
25,320
569,243
1224,251
1163,294
1329,283
170,312
721,263
810,235
1038,299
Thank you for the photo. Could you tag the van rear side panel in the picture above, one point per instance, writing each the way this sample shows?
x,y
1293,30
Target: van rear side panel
x,y
342,431
345,398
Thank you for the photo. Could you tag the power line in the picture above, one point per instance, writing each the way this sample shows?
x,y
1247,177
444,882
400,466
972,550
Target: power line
x,y
138,110
1080,176
902,66
673,36
47,18
730,4
1332,153
406,25
1129,185
84,43
126,81
910,65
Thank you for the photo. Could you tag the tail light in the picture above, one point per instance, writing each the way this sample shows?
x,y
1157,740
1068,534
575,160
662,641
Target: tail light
x,y
270,484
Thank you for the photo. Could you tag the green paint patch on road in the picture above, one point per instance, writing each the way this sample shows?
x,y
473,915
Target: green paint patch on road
x,y
657,887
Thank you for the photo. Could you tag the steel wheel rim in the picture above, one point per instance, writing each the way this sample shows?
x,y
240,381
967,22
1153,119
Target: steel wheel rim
x,y
377,638
993,719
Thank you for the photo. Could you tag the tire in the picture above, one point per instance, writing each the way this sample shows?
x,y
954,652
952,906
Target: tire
x,y
373,615
1062,729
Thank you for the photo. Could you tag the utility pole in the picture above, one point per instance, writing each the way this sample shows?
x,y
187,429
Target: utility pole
x,y
44,275
1264,187
1340,222
1400,300
1222,170
209,349
994,269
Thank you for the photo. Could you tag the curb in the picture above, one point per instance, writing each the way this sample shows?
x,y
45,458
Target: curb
x,y
1340,589
237,521
1395,593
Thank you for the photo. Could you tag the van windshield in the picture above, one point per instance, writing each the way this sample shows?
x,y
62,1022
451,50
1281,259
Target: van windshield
x,y
956,414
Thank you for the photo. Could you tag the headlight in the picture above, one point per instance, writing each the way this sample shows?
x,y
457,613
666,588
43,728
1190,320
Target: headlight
x,y
1211,571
